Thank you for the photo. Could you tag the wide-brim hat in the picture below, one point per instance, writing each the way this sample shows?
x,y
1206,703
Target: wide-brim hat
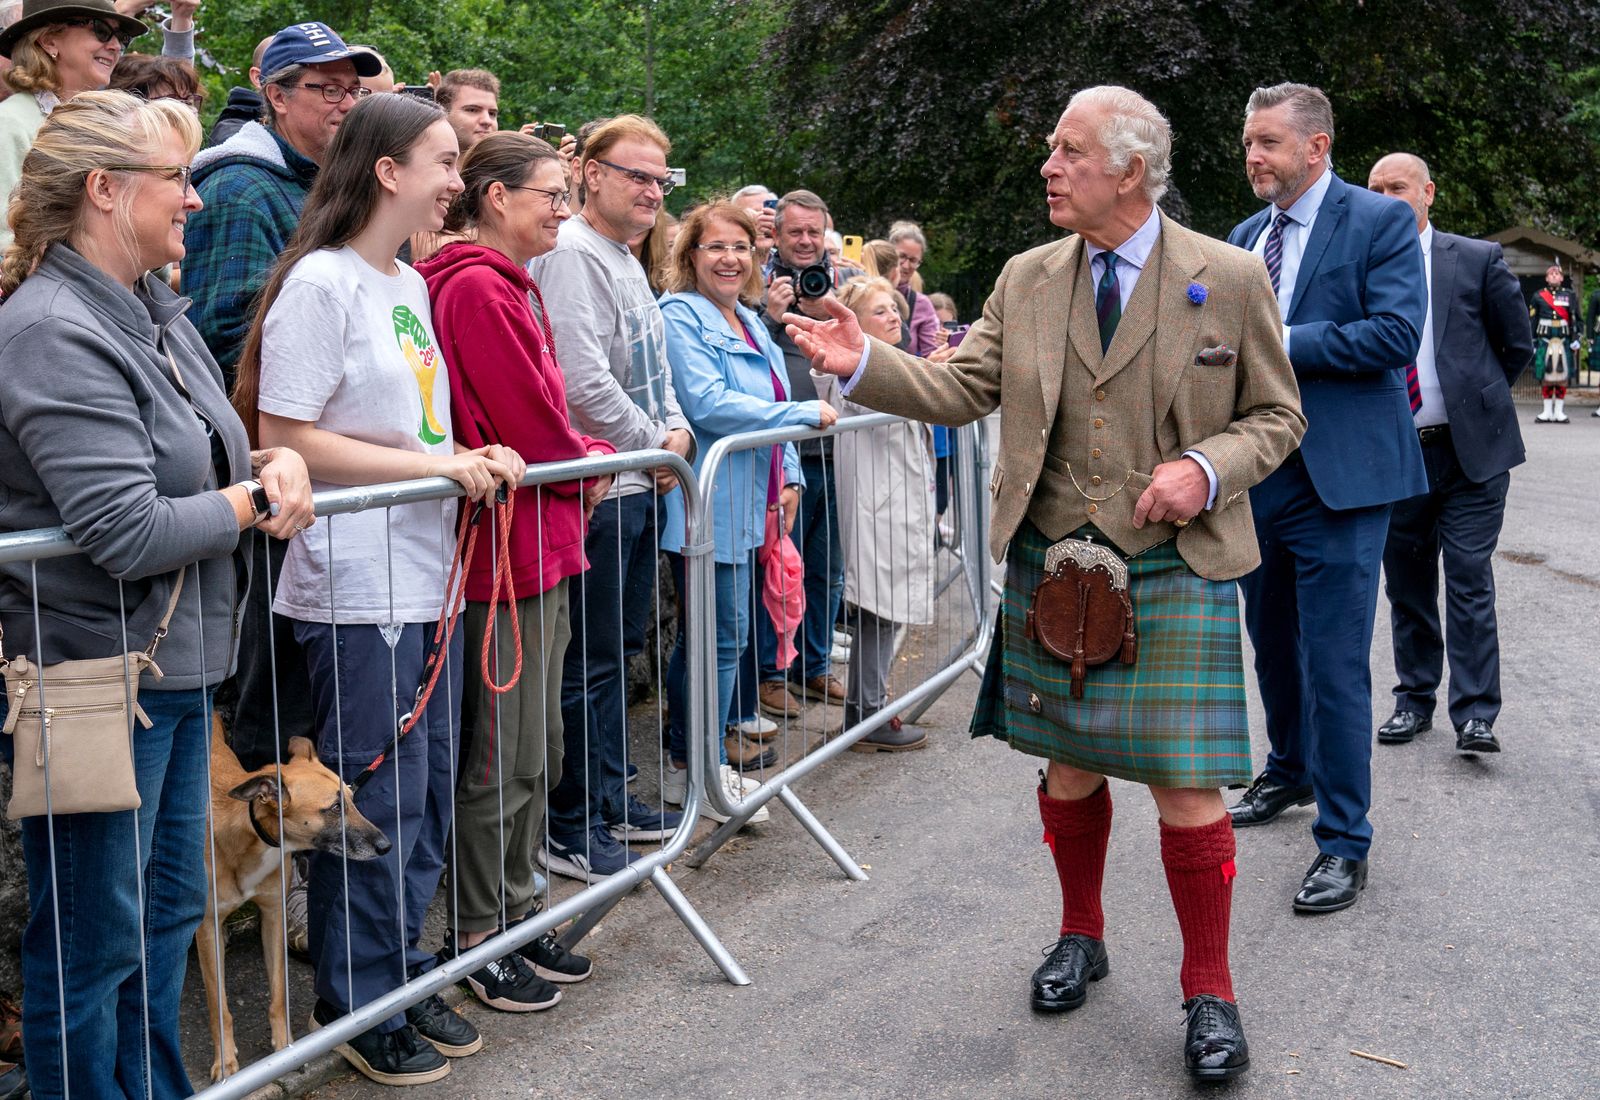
x,y
43,13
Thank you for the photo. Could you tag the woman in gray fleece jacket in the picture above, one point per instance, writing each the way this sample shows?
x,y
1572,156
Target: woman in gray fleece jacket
x,y
113,425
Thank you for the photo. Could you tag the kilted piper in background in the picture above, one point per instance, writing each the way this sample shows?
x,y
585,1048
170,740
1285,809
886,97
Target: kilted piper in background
x,y
1144,389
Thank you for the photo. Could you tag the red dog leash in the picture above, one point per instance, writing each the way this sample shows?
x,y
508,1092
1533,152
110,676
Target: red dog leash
x,y
502,505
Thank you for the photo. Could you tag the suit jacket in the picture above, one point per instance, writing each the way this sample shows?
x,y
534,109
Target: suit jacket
x,y
1481,344
1355,322
1035,355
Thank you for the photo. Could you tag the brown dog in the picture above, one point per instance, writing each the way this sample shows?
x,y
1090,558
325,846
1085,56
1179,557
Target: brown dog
x,y
247,853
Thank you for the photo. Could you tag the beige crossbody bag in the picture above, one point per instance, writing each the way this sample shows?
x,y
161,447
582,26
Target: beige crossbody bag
x,y
73,722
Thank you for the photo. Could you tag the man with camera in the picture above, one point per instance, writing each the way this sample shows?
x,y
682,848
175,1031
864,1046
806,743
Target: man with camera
x,y
800,276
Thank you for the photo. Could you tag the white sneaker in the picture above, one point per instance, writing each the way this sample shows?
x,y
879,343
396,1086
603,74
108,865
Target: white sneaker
x,y
735,790
840,654
758,726
947,532
675,788
841,637
674,785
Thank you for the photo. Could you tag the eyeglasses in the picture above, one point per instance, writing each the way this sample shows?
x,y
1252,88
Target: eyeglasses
x,y
102,30
723,248
196,100
335,93
177,173
558,199
909,261
642,179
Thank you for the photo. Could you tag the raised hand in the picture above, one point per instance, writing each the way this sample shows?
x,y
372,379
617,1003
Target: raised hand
x,y
834,346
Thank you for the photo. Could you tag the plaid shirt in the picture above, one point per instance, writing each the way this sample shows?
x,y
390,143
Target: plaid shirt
x,y
252,206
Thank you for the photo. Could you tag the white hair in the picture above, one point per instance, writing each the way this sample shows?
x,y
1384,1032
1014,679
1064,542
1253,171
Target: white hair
x,y
907,231
833,239
1132,128
750,189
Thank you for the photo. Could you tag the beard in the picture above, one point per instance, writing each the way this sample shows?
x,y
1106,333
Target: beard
x,y
1281,186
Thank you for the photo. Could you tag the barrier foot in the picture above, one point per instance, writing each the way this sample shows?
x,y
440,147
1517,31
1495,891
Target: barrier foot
x,y
698,928
821,835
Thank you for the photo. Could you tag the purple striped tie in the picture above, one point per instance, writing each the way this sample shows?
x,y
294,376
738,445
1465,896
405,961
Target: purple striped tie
x,y
1413,388
1273,253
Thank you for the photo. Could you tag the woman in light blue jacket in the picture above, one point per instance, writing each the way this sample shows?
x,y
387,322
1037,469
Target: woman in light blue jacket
x,y
729,378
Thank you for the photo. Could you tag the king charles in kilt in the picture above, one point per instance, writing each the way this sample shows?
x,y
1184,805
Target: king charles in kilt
x,y
1140,373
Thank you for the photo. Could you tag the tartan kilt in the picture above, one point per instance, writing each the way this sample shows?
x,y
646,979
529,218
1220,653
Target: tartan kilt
x,y
1174,718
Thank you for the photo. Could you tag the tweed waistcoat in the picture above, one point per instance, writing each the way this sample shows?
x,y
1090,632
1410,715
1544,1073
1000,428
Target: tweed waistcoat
x,y
1105,427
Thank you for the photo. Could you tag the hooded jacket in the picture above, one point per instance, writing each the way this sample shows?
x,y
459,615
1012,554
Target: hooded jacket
x,y
506,387
244,105
253,186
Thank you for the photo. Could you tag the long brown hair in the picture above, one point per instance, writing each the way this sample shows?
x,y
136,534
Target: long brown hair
x,y
341,204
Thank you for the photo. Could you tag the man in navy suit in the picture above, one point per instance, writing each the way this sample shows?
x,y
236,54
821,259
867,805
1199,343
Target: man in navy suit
x,y
1349,276
1475,343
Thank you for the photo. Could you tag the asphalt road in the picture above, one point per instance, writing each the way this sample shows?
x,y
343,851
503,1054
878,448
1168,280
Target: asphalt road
x,y
1470,958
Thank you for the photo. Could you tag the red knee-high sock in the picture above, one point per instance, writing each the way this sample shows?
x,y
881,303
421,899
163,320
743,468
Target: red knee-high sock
x,y
1199,863
1076,831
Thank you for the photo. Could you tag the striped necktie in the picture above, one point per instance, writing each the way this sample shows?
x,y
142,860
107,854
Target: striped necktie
x,y
1273,253
1108,301
1413,388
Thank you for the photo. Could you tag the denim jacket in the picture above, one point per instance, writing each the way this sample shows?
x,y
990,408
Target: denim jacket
x,y
724,386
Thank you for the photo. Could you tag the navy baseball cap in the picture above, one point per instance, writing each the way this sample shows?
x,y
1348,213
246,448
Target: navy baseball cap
x,y
312,44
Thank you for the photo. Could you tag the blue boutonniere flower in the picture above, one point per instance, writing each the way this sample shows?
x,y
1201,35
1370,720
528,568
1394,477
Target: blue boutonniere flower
x,y
1197,294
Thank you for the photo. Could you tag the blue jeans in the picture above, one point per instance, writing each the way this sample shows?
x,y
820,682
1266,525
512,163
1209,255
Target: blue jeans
x,y
733,635
363,938
116,990
816,536
610,607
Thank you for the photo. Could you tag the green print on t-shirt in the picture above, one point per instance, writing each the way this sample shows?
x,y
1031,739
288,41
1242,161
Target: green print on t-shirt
x,y
424,360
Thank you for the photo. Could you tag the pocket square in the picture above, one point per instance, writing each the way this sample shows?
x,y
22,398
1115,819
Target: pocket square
x,y
1220,356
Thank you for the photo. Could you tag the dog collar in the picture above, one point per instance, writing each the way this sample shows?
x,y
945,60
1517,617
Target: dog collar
x,y
260,832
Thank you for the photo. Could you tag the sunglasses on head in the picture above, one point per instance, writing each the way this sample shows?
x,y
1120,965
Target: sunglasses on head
x,y
103,30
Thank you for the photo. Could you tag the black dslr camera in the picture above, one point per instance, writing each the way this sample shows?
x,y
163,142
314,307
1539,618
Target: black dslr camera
x,y
809,282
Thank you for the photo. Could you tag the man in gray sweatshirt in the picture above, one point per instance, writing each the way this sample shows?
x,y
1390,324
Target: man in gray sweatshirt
x,y
611,341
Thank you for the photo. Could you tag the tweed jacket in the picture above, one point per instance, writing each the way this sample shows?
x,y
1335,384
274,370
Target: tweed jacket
x,y
1035,355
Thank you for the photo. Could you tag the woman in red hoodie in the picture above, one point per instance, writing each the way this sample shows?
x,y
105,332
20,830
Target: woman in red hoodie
x,y
505,385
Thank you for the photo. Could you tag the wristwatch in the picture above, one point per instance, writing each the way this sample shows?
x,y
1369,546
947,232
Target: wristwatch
x,y
258,499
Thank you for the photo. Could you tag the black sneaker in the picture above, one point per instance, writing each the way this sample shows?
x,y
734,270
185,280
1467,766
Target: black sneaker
x,y
399,1057
507,983
449,1031
551,961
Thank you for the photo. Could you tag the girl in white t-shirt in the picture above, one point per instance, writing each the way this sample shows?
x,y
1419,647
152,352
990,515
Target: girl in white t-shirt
x,y
342,364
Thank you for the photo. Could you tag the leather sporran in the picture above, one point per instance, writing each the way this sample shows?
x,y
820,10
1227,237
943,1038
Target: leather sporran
x,y
1082,612
73,721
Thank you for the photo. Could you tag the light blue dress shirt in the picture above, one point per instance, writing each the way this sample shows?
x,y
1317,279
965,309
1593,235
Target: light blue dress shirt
x,y
1296,232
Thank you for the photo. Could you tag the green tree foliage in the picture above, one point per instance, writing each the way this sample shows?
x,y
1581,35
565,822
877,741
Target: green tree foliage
x,y
941,108
694,64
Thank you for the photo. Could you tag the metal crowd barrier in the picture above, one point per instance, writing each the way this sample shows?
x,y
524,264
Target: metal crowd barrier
x,y
961,627
587,905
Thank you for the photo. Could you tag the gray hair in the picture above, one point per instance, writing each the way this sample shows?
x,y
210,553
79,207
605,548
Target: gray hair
x,y
288,77
1308,108
908,231
1133,127
750,190
801,197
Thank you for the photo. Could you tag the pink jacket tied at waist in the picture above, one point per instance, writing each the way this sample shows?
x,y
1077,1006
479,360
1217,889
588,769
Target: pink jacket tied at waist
x,y
783,590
